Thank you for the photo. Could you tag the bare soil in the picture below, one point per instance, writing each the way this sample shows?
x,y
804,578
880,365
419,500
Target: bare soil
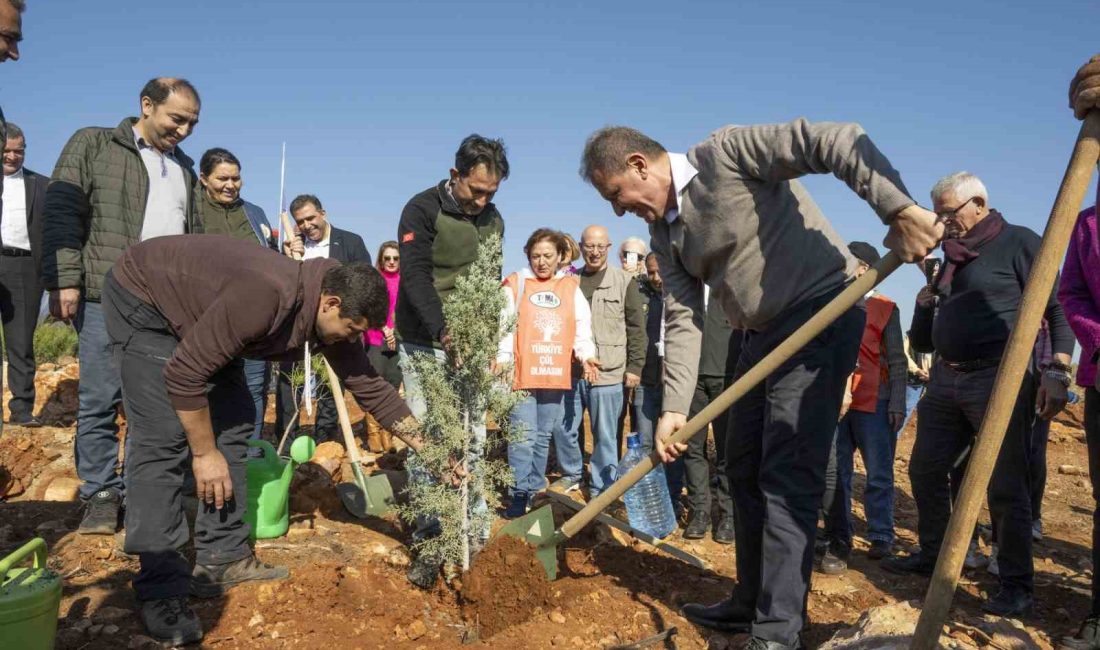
x,y
348,589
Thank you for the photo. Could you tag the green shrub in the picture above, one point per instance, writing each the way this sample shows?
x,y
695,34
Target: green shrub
x,y
53,340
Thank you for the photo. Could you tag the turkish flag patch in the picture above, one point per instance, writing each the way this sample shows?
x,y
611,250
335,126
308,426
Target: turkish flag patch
x,y
408,237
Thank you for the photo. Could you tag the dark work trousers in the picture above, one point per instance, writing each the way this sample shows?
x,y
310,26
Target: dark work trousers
x,y
696,467
20,298
387,363
948,418
287,402
1092,436
777,449
159,457
1040,436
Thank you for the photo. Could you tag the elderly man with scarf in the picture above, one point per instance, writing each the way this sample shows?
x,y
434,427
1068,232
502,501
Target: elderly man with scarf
x,y
966,316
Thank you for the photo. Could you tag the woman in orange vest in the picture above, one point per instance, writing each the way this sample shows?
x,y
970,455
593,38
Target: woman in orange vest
x,y
553,325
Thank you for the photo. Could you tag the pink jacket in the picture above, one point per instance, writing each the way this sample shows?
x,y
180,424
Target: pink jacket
x,y
374,337
1079,293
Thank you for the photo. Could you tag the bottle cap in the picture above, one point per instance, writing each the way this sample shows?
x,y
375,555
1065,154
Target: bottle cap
x,y
633,441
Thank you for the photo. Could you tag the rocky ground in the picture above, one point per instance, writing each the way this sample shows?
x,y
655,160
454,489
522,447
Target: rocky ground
x,y
347,588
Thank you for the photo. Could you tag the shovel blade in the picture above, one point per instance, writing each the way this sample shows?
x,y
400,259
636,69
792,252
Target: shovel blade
x,y
537,528
368,496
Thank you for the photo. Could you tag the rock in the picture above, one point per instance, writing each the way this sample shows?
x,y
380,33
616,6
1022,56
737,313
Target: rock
x,y
94,630
557,641
23,443
82,625
112,614
888,627
110,630
329,455
1072,470
1011,634
104,553
416,630
142,642
62,488
557,617
265,594
398,557
257,619
69,638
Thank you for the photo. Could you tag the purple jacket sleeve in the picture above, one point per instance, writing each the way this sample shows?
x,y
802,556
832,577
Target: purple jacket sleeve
x,y
1082,308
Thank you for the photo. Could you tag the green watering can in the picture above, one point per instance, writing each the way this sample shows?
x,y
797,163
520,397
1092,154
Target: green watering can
x,y
29,599
268,479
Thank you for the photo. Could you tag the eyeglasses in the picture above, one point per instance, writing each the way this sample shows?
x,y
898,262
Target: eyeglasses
x,y
950,215
591,248
391,258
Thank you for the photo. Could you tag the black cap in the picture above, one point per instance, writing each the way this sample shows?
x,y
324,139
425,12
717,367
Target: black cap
x,y
864,252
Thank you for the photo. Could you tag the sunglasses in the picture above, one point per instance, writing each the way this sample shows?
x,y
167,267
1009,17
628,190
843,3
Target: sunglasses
x,y
391,258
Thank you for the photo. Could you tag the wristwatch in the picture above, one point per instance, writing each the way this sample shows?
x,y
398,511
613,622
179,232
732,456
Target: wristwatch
x,y
1059,375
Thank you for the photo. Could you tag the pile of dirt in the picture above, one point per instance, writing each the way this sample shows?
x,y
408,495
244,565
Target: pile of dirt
x,y
505,585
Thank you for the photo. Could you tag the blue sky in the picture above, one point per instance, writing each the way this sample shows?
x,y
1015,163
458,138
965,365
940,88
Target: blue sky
x,y
372,98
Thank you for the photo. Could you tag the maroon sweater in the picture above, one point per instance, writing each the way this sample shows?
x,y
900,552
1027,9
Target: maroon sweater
x,y
226,298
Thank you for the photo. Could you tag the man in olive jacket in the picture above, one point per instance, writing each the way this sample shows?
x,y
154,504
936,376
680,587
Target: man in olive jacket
x,y
111,189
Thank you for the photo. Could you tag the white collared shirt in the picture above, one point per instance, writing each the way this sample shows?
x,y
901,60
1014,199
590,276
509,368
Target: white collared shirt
x,y
166,203
319,249
682,173
13,228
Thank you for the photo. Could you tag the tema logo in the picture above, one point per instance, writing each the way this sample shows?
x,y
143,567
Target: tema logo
x,y
545,299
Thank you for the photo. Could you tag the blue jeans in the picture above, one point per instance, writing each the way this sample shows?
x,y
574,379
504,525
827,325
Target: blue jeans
x,y
647,408
871,433
99,394
604,404
540,414
912,398
428,526
256,374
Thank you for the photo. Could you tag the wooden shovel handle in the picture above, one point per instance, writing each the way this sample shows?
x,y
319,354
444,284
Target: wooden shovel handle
x,y
1006,388
288,229
342,414
758,373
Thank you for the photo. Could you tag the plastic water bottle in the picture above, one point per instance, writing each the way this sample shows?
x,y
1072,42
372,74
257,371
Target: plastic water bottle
x,y
1073,397
648,506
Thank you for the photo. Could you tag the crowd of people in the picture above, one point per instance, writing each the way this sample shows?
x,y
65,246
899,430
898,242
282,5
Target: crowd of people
x,y
186,333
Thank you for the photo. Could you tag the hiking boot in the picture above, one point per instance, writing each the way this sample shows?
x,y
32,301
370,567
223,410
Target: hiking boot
x,y
916,563
880,550
724,532
834,562
424,571
28,421
565,485
1009,603
698,526
171,620
213,580
518,507
1037,530
974,558
992,567
758,643
101,513
725,616
1087,638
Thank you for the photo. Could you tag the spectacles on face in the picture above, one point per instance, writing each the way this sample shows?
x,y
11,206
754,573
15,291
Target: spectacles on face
x,y
951,215
592,248
391,258
15,152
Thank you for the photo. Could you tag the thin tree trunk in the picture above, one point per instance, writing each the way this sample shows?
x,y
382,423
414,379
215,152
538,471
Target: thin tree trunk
x,y
466,496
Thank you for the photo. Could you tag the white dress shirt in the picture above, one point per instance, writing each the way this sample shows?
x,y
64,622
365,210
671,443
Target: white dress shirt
x,y
682,173
13,228
317,249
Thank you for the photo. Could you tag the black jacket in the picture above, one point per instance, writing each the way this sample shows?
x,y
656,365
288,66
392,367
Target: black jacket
x,y
346,246
35,184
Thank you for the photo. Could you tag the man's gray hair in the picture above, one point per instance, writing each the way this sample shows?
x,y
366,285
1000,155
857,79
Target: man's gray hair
x,y
606,150
634,240
14,132
961,185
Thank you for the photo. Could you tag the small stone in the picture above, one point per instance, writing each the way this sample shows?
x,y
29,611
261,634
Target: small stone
x,y
1072,470
112,614
141,642
82,625
104,553
23,443
110,630
275,634
399,633
398,557
265,594
558,640
257,619
577,641
416,630
69,638
557,617
94,630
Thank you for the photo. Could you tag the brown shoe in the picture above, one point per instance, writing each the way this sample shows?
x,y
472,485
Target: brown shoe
x,y
375,442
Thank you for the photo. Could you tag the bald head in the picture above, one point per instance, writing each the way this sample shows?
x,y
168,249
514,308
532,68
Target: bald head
x,y
594,246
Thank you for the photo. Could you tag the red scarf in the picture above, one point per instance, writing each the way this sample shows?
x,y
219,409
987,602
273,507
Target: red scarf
x,y
961,251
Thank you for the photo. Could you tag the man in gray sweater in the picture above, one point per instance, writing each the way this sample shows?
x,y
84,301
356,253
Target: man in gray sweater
x,y
730,214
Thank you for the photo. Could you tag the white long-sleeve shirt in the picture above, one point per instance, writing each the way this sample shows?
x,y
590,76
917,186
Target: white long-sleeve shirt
x,y
584,347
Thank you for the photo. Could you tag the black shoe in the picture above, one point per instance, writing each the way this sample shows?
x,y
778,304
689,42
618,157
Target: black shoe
x,y
834,562
916,563
1087,638
879,550
725,616
724,532
171,620
518,507
1009,603
698,526
101,513
211,581
28,421
424,571
757,643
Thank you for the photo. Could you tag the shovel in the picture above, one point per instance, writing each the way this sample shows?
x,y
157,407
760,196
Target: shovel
x,y
537,527
368,496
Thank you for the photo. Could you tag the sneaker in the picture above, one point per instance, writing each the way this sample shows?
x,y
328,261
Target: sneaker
x,y
916,563
880,550
101,513
1087,638
171,620
213,580
698,526
565,485
28,421
991,566
424,571
1009,603
518,507
834,562
1037,530
974,557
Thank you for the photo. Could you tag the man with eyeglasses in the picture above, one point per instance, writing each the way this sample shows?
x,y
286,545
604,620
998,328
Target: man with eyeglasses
x,y
618,327
966,317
